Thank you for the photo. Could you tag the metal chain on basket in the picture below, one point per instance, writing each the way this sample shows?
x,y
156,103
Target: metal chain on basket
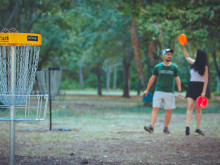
x,y
26,67
55,79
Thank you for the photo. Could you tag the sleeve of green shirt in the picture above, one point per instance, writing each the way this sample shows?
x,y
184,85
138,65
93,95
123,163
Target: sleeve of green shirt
x,y
176,73
155,71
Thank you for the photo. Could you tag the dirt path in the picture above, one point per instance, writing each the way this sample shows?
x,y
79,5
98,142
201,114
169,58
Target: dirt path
x,y
140,150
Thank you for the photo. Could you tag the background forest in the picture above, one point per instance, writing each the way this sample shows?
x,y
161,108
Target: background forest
x,y
114,44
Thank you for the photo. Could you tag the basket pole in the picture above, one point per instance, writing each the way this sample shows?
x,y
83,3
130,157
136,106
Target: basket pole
x,y
12,108
9,42
50,99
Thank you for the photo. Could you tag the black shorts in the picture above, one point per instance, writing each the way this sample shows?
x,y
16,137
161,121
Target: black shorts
x,y
194,90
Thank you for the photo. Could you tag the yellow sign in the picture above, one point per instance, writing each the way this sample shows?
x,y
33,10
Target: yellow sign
x,y
20,39
4,37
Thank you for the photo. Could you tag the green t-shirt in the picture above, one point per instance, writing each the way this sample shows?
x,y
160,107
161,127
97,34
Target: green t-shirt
x,y
165,77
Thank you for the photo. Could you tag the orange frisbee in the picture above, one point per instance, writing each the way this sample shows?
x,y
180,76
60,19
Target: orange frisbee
x,y
182,39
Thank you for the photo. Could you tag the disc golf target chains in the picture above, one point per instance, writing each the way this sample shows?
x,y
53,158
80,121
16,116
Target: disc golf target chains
x,y
49,82
19,54
25,62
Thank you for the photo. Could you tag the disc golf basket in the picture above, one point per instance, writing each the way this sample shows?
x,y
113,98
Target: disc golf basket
x,y
49,83
19,54
49,80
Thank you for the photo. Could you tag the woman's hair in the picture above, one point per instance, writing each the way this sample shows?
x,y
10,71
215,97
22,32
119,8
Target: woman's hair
x,y
201,62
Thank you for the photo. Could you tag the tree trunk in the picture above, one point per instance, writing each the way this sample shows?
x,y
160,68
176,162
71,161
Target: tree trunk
x,y
216,68
217,84
30,15
108,77
139,88
115,78
151,51
137,52
126,77
208,90
99,82
81,80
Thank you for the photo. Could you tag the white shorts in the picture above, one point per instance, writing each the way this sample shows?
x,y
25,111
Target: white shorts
x,y
166,98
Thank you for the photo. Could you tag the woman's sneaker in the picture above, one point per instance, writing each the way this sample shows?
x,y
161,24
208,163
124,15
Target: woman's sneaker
x,y
149,129
166,131
199,132
187,131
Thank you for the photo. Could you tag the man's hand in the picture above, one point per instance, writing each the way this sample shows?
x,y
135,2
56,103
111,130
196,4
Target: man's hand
x,y
145,92
180,96
203,94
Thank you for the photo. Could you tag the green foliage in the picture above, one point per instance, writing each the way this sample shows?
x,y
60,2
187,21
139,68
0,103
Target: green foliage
x,y
91,34
91,81
69,83
163,22
216,93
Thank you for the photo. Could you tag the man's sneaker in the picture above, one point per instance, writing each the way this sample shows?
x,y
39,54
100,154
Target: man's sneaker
x,y
199,132
149,129
187,131
166,130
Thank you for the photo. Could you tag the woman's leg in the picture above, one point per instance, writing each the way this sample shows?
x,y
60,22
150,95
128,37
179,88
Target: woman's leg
x,y
190,108
198,116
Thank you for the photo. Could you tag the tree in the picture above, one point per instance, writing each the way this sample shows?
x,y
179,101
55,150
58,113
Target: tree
x,y
93,30
167,19
130,11
24,14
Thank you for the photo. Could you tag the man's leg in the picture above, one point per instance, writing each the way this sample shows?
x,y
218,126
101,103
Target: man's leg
x,y
150,128
169,103
154,116
156,104
167,118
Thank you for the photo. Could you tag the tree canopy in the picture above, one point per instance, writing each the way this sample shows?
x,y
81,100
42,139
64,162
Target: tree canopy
x,y
86,37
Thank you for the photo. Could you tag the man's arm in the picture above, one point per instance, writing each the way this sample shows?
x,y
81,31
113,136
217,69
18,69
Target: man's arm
x,y
150,83
178,83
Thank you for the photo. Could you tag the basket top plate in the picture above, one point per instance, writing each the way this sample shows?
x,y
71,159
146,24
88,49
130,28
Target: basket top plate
x,y
20,39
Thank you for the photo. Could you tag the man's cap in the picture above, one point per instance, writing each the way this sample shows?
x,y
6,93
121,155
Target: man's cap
x,y
167,50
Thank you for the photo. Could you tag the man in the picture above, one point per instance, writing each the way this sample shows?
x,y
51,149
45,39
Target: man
x,y
165,72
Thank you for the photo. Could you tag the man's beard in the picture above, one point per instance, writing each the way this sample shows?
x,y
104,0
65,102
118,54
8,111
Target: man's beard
x,y
167,60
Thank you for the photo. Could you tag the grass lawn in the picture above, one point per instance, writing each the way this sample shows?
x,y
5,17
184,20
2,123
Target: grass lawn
x,y
109,130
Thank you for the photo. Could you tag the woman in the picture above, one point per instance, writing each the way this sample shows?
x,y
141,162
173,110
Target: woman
x,y
197,87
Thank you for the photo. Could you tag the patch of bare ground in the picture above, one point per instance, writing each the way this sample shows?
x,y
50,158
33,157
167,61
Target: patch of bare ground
x,y
142,149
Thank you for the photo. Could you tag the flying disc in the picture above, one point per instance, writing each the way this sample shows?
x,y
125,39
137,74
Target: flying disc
x,y
147,98
182,39
201,101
